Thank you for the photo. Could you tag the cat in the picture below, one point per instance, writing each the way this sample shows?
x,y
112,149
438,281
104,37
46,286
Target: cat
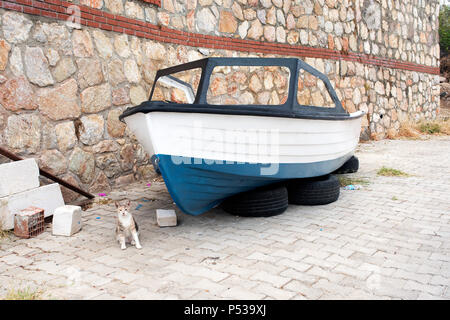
x,y
127,229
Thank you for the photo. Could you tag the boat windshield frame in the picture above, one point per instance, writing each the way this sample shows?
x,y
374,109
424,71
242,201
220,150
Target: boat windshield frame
x,y
290,108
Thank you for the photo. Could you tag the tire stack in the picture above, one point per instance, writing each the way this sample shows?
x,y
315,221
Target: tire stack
x,y
274,199
262,202
314,191
351,166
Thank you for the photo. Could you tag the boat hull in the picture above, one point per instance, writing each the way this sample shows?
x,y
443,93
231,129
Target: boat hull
x,y
198,185
205,158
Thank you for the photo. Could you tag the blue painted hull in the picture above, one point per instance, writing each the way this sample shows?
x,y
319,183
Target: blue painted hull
x,y
198,185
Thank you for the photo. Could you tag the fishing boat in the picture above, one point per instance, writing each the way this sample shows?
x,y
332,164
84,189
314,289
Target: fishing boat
x,y
209,152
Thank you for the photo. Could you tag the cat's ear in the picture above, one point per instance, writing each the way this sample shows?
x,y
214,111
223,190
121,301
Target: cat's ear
x,y
128,204
116,204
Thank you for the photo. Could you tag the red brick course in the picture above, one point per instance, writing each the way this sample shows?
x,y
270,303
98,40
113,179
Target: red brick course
x,y
102,20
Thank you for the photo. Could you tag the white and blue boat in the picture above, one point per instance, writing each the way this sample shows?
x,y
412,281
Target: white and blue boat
x,y
207,153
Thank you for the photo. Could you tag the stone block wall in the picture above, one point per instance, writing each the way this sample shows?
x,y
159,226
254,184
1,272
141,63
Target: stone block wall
x,y
63,85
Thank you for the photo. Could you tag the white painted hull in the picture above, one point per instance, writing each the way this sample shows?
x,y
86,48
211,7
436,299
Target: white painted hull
x,y
253,139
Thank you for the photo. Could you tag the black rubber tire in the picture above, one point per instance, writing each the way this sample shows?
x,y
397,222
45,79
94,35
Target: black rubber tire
x,y
351,166
314,191
262,202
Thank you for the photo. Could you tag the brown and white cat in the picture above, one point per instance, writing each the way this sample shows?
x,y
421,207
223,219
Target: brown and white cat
x,y
127,229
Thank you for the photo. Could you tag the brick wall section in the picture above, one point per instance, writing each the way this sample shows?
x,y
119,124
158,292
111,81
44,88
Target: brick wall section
x,y
96,18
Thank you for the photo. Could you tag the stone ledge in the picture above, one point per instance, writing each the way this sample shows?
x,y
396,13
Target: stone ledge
x,y
18,176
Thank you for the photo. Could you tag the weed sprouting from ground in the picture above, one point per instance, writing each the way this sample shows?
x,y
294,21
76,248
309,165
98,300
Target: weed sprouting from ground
x,y
4,234
345,181
24,294
429,127
414,131
434,127
390,172
104,201
407,130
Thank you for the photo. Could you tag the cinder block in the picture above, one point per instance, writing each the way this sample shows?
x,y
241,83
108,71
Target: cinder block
x,y
29,222
47,197
18,176
66,220
166,218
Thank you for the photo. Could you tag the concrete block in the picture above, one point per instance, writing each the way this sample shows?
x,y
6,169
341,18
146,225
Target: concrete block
x,y
66,220
47,197
166,218
18,176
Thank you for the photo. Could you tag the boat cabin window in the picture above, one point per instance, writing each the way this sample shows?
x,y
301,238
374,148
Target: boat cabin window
x,y
180,87
248,85
311,91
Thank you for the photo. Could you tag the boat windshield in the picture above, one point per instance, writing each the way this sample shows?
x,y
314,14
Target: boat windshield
x,y
311,91
248,85
179,87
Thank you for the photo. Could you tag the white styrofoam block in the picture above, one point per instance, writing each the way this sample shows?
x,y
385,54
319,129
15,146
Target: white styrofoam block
x,y
166,218
47,197
66,220
18,176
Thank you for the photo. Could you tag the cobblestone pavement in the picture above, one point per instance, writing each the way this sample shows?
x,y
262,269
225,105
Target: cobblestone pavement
x,y
388,240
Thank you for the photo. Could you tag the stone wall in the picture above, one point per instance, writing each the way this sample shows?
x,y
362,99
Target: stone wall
x,y
405,30
61,93
62,86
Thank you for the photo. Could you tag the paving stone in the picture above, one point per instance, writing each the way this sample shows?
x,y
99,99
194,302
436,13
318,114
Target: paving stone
x,y
261,257
303,289
106,296
125,276
144,294
422,278
275,280
15,260
371,247
273,292
323,273
199,271
299,266
427,296
108,260
242,294
50,267
84,292
431,289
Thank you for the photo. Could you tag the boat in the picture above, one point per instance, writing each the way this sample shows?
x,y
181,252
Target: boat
x,y
208,152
